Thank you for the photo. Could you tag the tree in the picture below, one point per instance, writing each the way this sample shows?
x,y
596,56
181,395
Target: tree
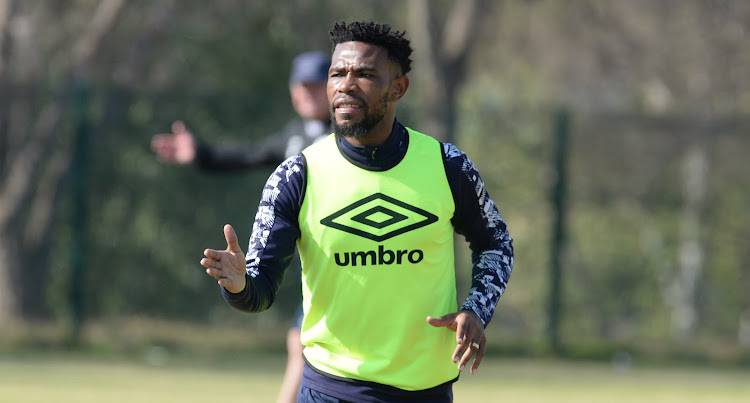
x,y
48,47
443,41
34,148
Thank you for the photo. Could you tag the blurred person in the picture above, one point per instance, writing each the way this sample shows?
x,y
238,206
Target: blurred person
x,y
307,84
307,89
372,210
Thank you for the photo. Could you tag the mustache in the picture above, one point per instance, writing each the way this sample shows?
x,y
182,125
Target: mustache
x,y
346,98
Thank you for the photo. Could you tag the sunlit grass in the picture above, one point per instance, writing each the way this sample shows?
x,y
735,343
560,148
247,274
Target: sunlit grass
x,y
143,361
61,378
558,381
81,381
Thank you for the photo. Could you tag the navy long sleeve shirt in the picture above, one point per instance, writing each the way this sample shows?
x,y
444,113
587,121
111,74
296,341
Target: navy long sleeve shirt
x,y
267,152
276,228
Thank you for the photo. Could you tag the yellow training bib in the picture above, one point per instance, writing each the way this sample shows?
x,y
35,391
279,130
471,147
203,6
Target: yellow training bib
x,y
377,259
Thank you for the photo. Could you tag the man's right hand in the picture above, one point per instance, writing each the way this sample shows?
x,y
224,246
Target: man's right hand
x,y
178,147
227,266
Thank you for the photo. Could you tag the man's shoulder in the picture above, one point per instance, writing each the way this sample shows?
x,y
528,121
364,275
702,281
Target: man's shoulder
x,y
293,164
288,175
457,161
452,152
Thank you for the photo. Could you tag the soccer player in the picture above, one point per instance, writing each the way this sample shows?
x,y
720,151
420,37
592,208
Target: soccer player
x,y
373,209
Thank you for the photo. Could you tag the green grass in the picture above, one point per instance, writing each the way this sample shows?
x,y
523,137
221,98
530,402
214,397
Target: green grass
x,y
142,361
557,381
31,378
80,380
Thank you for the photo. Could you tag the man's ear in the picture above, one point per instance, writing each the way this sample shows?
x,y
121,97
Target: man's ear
x,y
399,87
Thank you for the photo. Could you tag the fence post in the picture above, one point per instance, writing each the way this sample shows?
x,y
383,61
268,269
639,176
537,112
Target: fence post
x,y
79,188
558,238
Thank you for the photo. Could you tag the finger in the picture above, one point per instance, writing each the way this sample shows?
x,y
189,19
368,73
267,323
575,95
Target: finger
x,y
480,355
442,321
231,237
462,348
457,353
465,357
215,273
178,127
161,143
466,334
462,328
210,263
212,254
157,141
471,344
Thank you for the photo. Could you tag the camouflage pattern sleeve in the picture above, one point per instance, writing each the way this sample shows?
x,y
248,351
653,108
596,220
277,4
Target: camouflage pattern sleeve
x,y
272,242
478,219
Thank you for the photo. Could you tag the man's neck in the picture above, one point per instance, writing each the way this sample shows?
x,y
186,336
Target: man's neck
x,y
377,158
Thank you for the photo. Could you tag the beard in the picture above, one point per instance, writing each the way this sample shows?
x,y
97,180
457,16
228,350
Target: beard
x,y
359,130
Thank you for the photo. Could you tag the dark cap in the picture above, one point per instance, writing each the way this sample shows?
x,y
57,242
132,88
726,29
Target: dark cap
x,y
310,67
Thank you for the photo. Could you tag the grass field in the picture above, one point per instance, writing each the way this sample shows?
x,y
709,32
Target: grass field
x,y
80,379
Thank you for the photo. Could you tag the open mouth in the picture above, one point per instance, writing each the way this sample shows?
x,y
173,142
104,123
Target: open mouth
x,y
347,105
347,108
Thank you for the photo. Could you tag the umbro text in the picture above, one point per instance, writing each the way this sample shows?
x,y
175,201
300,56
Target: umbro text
x,y
380,257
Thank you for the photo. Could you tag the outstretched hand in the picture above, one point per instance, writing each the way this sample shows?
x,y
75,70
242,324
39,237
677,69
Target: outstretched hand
x,y
469,336
178,147
227,266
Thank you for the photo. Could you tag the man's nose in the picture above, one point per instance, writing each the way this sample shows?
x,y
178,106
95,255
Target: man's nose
x,y
347,83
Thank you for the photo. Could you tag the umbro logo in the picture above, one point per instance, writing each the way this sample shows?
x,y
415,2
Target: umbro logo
x,y
379,217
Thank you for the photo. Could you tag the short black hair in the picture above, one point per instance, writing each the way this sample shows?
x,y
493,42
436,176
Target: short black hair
x,y
398,47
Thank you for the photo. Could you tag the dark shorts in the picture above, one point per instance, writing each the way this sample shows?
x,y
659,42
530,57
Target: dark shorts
x,y
319,387
307,395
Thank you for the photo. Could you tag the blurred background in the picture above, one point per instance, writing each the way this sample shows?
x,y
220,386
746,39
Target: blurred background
x,y
613,136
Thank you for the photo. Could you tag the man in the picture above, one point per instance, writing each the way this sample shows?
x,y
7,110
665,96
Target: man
x,y
307,89
373,209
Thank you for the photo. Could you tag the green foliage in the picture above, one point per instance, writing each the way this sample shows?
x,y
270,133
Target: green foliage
x,y
625,221
223,68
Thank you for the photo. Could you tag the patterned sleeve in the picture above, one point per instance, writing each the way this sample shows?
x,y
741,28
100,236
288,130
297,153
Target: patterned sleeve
x,y
273,239
477,218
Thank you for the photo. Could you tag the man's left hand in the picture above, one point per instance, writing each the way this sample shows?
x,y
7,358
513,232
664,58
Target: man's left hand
x,y
469,336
